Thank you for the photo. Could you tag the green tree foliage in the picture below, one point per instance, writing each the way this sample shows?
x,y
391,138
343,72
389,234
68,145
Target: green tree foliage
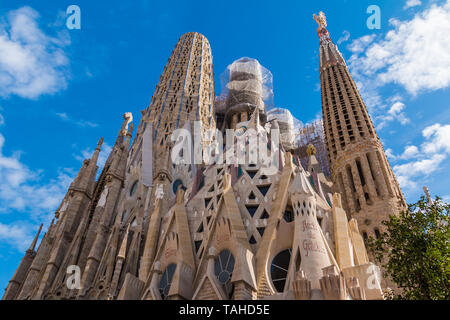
x,y
414,251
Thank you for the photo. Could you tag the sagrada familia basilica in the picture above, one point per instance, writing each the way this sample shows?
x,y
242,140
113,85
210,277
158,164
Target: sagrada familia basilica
x,y
148,228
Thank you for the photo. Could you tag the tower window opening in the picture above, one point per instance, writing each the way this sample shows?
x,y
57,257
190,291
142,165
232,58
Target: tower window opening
x,y
133,188
350,178
360,172
358,205
197,245
377,233
319,220
288,214
365,237
344,191
369,161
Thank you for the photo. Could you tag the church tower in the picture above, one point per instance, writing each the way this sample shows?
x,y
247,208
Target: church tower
x,y
184,94
359,167
150,228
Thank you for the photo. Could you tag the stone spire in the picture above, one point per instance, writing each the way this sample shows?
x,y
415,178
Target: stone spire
x,y
329,53
33,244
103,217
128,118
86,176
359,167
20,275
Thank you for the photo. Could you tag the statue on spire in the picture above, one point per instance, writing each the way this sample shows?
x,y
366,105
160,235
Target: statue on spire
x,y
322,31
321,20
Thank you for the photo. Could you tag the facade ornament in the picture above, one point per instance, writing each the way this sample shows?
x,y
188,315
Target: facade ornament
x,y
322,31
159,192
102,200
311,150
321,19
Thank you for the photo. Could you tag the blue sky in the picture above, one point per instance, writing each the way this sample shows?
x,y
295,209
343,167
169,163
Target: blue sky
x,y
61,90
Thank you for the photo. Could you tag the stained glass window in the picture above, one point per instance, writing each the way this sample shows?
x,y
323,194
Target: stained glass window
x,y
279,269
223,268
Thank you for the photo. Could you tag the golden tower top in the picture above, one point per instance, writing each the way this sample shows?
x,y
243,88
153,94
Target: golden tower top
x,y
321,20
322,31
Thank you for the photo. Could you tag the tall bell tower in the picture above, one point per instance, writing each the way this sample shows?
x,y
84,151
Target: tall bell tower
x,y
359,167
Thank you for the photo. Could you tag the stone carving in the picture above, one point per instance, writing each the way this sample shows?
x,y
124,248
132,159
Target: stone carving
x,y
159,192
321,20
302,287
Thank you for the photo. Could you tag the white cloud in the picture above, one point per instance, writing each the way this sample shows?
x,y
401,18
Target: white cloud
x,y
17,235
406,183
421,167
414,55
439,138
360,44
31,62
425,161
102,157
412,3
395,112
345,36
26,191
63,116
23,189
81,123
390,154
410,152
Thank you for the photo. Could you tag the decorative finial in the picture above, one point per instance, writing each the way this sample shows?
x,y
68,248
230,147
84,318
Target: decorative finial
x,y
322,31
128,118
321,20
311,150
33,244
100,142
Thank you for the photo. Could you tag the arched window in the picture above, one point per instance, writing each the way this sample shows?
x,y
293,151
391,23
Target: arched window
x,y
288,214
176,184
133,188
223,268
377,233
166,280
279,269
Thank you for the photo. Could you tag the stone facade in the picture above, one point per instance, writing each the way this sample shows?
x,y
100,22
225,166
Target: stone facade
x,y
218,230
